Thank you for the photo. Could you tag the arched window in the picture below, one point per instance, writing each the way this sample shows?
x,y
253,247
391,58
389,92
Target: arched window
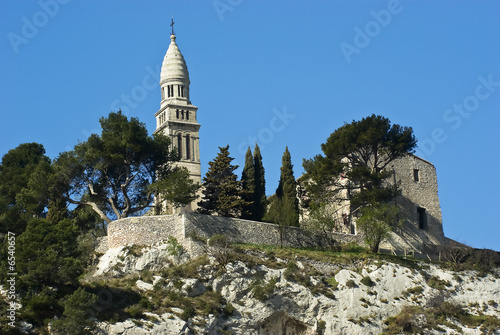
x,y
182,114
187,115
179,144
188,148
177,114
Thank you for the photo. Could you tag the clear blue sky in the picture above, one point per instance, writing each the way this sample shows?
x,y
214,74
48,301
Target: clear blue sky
x,y
276,72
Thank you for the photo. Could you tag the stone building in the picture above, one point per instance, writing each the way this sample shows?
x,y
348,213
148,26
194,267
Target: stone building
x,y
177,117
418,203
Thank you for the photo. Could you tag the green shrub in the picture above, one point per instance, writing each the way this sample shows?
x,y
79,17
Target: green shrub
x,y
135,311
263,291
350,283
413,290
229,309
77,308
333,283
174,249
220,249
367,281
188,312
437,283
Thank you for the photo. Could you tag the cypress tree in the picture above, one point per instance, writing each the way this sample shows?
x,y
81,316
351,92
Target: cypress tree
x,y
287,189
259,199
248,183
222,192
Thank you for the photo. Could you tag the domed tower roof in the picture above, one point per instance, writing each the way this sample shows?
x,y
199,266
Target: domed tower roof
x,y
174,66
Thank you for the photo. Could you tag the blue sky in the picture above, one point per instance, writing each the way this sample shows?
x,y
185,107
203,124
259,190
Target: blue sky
x,y
276,72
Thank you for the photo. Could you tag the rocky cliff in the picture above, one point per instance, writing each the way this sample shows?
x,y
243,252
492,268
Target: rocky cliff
x,y
254,290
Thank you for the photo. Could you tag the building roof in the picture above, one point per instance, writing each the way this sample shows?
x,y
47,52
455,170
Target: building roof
x,y
174,66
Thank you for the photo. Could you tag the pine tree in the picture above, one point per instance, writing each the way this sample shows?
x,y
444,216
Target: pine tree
x,y
222,192
248,183
260,200
287,189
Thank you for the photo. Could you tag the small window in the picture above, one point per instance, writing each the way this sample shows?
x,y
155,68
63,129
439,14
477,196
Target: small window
x,y
182,91
416,175
177,114
422,218
179,144
182,114
187,115
188,148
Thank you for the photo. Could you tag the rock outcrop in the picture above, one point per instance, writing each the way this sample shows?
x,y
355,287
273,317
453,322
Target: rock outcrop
x,y
264,294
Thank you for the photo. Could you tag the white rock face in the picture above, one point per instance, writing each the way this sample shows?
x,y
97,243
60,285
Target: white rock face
x,y
167,324
122,261
292,308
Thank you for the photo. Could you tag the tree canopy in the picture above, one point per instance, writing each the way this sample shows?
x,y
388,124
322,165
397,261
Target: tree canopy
x,y
248,184
223,193
24,174
121,171
259,198
356,160
284,207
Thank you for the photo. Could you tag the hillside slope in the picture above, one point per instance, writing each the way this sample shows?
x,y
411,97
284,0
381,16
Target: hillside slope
x,y
286,291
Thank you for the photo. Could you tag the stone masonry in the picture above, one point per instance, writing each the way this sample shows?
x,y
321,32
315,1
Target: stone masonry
x,y
148,230
419,202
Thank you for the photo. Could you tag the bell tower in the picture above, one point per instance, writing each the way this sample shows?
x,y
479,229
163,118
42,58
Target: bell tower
x,y
177,117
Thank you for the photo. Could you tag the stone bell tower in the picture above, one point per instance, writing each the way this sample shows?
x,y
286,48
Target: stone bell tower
x,y
177,117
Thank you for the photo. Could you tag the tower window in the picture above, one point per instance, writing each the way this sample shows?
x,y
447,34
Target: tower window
x,y
187,115
416,175
182,91
178,90
179,145
188,148
422,218
182,114
177,114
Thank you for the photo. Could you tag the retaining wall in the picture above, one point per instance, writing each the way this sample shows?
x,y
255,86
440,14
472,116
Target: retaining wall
x,y
147,230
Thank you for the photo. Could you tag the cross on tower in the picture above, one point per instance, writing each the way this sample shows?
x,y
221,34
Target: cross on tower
x,y
172,25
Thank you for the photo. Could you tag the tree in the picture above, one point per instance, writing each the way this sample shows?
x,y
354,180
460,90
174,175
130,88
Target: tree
x,y
355,163
77,308
287,189
120,172
284,206
47,254
248,184
24,174
282,213
222,192
376,223
260,199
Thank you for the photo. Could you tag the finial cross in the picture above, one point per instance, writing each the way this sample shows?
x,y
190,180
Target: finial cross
x,y
172,25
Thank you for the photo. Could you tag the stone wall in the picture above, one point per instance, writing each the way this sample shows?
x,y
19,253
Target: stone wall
x,y
145,230
148,230
419,200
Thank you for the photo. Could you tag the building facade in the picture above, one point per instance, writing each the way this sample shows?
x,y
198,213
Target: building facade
x,y
177,117
418,203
